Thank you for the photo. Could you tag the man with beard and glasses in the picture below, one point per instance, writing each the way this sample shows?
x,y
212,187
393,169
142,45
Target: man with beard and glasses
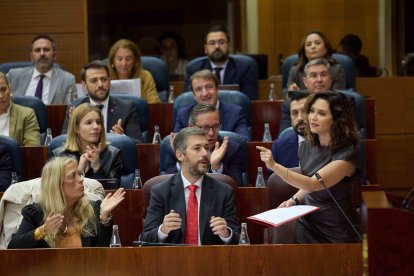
x,y
120,116
191,207
43,80
227,156
285,149
227,69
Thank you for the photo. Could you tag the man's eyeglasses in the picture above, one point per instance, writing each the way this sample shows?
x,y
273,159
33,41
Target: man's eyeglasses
x,y
74,175
220,42
206,128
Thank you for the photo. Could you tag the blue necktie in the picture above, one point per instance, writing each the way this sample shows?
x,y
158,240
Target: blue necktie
x,y
39,88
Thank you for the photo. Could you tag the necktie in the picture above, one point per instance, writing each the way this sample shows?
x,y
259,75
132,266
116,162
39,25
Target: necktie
x,y
218,70
191,225
39,87
100,106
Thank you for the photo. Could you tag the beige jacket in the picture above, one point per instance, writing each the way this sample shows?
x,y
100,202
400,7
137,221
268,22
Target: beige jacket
x,y
23,193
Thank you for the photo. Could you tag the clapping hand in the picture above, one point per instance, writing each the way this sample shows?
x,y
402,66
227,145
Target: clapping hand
x,y
172,221
118,127
218,153
219,227
111,201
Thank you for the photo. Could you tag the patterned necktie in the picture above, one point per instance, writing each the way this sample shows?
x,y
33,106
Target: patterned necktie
x,y
39,87
218,70
191,225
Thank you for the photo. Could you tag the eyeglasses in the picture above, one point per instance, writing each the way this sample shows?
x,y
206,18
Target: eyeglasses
x,y
206,128
220,42
207,87
72,178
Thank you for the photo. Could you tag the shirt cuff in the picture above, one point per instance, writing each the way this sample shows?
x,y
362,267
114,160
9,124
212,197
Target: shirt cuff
x,y
220,170
161,236
228,239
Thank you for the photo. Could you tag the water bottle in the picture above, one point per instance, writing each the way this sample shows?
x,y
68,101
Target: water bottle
x,y
272,92
49,137
115,240
260,182
171,96
71,97
157,136
267,137
14,178
137,180
244,237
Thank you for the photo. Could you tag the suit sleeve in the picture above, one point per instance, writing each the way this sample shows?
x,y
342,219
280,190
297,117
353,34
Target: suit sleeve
x,y
114,169
131,125
249,84
241,126
31,136
189,71
170,161
104,233
230,215
149,88
293,76
179,122
285,120
154,218
5,170
24,237
338,77
235,164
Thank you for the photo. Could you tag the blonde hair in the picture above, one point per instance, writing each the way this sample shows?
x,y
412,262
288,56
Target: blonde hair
x,y
3,76
127,44
73,141
52,199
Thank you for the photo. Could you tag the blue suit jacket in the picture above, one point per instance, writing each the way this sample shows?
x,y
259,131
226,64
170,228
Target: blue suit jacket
x,y
117,109
6,168
234,161
232,117
236,73
285,151
217,199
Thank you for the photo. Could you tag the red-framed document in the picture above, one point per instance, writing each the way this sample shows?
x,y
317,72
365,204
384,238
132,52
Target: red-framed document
x,y
279,216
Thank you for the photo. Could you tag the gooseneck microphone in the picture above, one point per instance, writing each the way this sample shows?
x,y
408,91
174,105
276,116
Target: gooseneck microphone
x,y
337,204
406,204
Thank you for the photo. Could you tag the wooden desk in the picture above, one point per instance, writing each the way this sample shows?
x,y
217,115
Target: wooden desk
x,y
161,114
265,112
148,160
320,259
34,159
56,117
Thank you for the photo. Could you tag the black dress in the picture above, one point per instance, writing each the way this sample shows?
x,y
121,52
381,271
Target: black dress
x,y
328,225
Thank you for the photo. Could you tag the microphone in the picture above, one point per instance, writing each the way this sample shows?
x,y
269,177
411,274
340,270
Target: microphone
x,y
144,243
406,204
337,204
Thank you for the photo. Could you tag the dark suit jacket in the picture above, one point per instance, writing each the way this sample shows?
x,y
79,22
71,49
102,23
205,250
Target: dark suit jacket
x,y
232,118
6,168
234,161
110,160
217,199
117,109
236,73
33,218
285,151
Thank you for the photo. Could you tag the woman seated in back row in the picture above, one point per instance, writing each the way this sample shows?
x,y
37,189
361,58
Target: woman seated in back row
x,y
124,62
86,142
315,45
64,217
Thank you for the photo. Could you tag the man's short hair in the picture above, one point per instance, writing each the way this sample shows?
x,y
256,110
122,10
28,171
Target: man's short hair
x,y
215,29
297,95
96,64
203,74
198,109
317,61
43,36
181,139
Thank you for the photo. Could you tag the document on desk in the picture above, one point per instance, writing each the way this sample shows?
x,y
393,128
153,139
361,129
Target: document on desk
x,y
279,216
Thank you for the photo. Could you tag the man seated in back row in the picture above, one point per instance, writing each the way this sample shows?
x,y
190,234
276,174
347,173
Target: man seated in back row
x,y
226,155
191,207
204,86
43,80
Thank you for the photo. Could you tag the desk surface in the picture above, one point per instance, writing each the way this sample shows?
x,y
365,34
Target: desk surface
x,y
320,259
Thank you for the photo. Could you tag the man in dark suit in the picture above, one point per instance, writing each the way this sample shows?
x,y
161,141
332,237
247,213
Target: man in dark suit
x,y
119,115
285,149
57,85
191,207
6,168
230,71
204,86
227,156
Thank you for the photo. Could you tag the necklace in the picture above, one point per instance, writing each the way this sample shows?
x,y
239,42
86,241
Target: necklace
x,y
64,231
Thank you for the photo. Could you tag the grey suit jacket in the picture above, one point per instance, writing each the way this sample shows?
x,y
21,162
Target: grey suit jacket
x,y
62,84
217,199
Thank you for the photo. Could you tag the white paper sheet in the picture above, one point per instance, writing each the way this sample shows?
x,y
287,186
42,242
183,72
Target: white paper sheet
x,y
129,87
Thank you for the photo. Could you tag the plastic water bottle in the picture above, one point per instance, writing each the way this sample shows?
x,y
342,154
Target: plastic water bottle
x,y
14,178
49,137
272,92
171,96
137,180
267,137
157,136
244,236
115,240
260,182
